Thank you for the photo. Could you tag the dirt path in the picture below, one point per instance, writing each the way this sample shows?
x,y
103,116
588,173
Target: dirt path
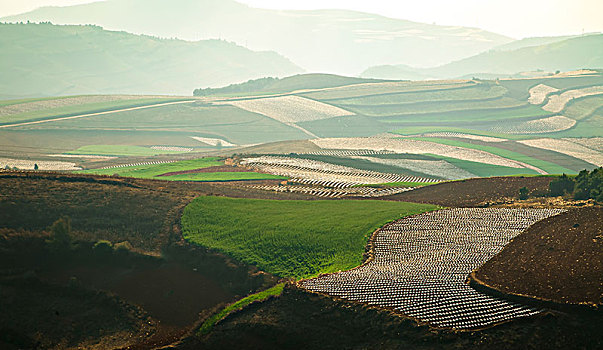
x,y
95,114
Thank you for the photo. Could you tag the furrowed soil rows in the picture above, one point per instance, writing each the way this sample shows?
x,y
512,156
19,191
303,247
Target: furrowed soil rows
x,y
420,265
570,148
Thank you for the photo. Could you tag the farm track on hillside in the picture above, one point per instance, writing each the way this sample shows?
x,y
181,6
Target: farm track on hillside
x,y
419,266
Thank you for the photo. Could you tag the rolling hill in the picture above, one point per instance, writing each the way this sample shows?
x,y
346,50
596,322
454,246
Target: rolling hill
x,y
565,55
45,60
336,41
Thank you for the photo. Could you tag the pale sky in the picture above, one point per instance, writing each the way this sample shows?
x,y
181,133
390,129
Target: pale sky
x,y
514,18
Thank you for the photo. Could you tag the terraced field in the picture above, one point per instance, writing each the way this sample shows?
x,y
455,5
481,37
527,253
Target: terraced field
x,y
420,264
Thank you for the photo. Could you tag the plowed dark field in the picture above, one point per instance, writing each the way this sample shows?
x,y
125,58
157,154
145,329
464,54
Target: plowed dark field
x,y
558,259
473,192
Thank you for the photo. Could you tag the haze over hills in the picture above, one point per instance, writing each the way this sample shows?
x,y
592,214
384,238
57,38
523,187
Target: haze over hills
x,y
565,55
46,59
334,41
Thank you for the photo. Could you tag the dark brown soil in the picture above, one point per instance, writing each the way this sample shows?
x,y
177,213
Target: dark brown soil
x,y
558,259
474,192
302,320
212,169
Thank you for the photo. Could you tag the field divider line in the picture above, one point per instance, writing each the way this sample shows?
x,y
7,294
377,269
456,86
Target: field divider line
x,y
95,114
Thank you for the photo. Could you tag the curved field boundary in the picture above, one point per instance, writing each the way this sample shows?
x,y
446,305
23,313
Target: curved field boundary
x,y
420,264
95,114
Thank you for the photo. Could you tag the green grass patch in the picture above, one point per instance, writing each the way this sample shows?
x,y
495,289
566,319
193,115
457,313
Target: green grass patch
x,y
486,170
223,176
207,326
152,170
119,150
297,239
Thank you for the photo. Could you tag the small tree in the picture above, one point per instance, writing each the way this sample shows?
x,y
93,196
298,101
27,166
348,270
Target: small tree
x,y
36,166
561,185
60,234
523,193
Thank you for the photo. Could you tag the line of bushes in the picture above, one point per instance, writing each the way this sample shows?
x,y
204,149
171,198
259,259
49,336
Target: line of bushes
x,y
586,185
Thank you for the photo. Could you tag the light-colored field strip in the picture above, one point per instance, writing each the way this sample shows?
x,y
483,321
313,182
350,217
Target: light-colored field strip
x,y
172,148
421,147
23,164
313,172
570,148
556,103
88,156
138,164
594,143
420,265
538,126
539,93
27,107
439,168
95,114
213,142
462,136
366,192
290,109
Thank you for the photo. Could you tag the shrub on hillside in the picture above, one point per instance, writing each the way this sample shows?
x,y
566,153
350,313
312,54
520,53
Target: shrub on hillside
x,y
103,247
589,185
60,234
561,185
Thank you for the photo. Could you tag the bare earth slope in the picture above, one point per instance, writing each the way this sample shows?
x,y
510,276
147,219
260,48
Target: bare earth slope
x,y
558,259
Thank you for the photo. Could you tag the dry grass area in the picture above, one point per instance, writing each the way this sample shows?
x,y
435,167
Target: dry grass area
x,y
290,109
570,148
557,259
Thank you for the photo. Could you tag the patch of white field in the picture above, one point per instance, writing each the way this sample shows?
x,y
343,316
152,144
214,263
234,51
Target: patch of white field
x,y
290,109
420,264
556,103
439,168
172,148
213,142
87,156
594,143
23,164
538,126
464,136
421,147
570,148
539,93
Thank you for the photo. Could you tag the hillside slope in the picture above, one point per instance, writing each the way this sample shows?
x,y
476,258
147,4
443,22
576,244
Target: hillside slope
x,y
46,59
565,55
336,41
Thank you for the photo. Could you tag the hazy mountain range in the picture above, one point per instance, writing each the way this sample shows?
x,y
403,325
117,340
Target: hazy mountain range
x,y
547,54
334,41
45,59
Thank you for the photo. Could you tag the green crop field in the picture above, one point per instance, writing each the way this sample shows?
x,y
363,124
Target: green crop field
x,y
152,170
120,150
471,107
290,238
471,93
378,89
549,167
486,170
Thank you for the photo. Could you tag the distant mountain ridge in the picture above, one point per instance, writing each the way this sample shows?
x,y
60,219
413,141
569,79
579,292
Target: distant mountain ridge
x,y
564,55
46,59
333,41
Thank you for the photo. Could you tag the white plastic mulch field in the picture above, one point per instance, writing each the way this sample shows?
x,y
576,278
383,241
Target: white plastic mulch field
x,y
213,142
22,164
571,148
420,147
539,93
556,103
290,109
537,126
439,168
420,265
463,136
